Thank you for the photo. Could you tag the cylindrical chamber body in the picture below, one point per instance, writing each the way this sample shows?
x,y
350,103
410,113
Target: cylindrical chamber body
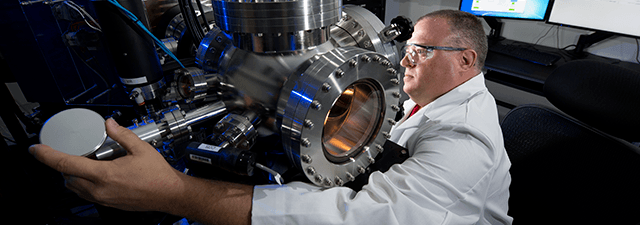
x,y
277,26
133,52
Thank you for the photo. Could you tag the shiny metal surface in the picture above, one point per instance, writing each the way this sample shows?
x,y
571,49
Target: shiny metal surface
x,y
212,48
359,27
258,78
352,120
281,42
175,124
148,132
194,84
306,109
74,131
277,26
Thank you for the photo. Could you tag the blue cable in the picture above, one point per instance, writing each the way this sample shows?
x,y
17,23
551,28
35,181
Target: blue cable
x,y
139,23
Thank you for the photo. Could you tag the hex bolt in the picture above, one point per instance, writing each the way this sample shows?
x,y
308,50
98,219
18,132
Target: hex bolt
x,y
371,159
380,148
306,142
361,169
339,73
326,87
316,105
386,134
391,121
349,176
306,159
365,58
311,171
396,94
395,81
353,63
308,123
339,181
395,108
392,71
318,178
328,182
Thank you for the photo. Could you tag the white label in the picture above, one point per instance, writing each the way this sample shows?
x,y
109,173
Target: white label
x,y
200,158
207,147
140,80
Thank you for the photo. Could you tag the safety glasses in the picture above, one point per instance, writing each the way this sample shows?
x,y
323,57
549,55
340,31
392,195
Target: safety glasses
x,y
417,54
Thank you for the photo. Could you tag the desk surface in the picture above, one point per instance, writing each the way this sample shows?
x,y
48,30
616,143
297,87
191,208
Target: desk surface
x,y
529,76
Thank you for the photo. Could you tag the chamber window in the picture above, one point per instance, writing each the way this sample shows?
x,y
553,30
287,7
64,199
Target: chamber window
x,y
353,120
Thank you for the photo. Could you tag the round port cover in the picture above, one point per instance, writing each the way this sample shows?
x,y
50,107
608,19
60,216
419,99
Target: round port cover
x,y
74,131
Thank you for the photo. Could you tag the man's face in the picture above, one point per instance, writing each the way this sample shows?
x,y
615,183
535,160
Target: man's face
x,y
435,76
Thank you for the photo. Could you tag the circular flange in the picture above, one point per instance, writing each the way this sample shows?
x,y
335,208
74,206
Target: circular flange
x,y
309,97
74,131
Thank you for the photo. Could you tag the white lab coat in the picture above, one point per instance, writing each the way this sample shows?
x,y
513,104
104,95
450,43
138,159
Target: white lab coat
x,y
458,173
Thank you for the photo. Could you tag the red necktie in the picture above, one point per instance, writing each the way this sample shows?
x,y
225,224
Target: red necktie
x,y
414,110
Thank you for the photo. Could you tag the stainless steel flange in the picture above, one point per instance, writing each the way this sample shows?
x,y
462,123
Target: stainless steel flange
x,y
336,113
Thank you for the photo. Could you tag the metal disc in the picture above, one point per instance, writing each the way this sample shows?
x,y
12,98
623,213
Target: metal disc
x,y
74,131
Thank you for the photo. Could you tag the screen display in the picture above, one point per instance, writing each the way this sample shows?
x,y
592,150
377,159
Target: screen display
x,y
619,16
514,9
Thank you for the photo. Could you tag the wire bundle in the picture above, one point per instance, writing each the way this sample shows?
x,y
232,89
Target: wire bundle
x,y
191,19
84,13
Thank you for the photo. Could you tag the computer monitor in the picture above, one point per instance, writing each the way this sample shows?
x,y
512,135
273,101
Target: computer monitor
x,y
606,17
511,9
492,10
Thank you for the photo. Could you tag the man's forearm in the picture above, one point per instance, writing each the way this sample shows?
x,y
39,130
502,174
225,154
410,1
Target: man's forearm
x,y
213,202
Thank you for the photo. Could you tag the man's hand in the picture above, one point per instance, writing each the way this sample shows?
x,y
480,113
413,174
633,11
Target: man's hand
x,y
141,181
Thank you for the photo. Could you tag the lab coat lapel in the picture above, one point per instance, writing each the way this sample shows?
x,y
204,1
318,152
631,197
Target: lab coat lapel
x,y
401,132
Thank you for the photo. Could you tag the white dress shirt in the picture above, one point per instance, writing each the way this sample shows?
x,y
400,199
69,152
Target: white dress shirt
x,y
458,173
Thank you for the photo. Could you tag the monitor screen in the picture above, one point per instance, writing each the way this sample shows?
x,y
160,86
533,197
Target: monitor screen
x,y
513,9
620,16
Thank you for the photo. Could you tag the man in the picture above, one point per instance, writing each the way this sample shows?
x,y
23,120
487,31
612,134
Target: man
x,y
457,174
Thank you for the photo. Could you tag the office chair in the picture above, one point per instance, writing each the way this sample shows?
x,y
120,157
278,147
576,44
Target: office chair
x,y
579,167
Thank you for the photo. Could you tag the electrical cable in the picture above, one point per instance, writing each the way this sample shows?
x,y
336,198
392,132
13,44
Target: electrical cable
x,y
144,28
194,19
545,34
204,17
82,13
188,14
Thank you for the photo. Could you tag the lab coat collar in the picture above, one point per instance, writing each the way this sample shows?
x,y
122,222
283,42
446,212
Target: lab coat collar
x,y
442,104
